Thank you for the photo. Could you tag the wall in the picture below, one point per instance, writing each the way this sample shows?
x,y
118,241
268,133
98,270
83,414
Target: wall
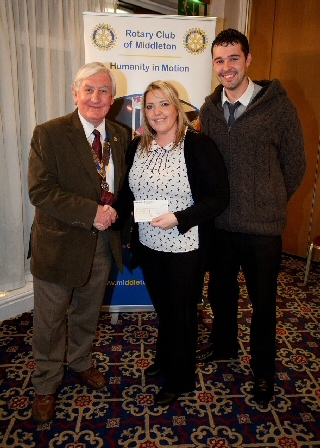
x,y
284,40
230,14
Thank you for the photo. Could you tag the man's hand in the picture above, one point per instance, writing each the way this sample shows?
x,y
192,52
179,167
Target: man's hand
x,y
165,222
106,215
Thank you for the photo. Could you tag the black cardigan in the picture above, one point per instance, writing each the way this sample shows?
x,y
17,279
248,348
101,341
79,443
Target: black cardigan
x,y
209,188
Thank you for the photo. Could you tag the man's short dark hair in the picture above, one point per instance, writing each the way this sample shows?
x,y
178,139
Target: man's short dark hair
x,y
231,36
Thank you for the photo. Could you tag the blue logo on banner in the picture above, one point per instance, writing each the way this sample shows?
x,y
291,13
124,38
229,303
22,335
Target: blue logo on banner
x,y
103,37
195,41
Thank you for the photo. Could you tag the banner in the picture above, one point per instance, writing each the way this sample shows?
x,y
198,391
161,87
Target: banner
x,y
139,49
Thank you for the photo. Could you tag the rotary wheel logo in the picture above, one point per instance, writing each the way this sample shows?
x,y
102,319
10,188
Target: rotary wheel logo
x,y
195,41
104,37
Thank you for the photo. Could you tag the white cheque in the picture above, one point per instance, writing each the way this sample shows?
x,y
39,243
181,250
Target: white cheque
x,y
145,211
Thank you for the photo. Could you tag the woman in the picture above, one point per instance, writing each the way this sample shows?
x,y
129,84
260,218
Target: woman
x,y
175,163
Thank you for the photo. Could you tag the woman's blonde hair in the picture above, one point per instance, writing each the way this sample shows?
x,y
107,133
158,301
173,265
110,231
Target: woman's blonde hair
x,y
171,94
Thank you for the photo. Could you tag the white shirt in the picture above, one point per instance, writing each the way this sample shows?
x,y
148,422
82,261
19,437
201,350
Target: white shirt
x,y
88,129
244,100
162,174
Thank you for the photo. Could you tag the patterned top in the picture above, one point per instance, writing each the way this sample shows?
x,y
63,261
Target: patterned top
x,y
162,174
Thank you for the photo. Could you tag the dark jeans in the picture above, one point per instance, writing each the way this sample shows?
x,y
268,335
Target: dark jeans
x,y
174,283
260,258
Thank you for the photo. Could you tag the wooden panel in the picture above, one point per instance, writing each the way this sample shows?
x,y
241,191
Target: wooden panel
x,y
260,38
295,60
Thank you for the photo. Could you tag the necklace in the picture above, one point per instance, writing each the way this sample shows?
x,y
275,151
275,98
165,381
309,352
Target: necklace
x,y
102,166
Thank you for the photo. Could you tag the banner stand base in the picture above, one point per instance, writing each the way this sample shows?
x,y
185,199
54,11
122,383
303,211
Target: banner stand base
x,y
126,308
116,309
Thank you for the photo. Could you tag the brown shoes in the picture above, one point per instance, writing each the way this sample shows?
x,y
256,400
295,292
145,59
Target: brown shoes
x,y
43,408
91,378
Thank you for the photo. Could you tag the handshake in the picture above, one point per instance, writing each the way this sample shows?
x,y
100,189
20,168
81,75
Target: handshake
x,y
105,217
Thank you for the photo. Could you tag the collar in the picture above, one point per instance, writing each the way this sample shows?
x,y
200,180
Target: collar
x,y
88,127
155,147
244,98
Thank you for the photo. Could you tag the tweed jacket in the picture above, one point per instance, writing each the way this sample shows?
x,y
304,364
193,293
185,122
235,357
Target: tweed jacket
x,y
64,187
264,156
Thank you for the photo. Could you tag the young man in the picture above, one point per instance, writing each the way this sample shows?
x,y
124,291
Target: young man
x,y
72,186
257,130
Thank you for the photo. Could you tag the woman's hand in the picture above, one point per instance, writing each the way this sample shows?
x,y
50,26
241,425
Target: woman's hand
x,y
165,222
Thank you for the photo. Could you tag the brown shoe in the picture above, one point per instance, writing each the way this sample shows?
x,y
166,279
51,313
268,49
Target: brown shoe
x,y
91,378
43,408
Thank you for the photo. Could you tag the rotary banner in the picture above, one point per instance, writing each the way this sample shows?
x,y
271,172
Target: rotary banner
x,y
144,48
139,49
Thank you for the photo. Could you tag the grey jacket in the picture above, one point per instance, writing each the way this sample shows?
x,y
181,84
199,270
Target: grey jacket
x,y
264,155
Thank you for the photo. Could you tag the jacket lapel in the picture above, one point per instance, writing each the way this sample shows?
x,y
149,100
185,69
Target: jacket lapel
x,y
114,139
82,148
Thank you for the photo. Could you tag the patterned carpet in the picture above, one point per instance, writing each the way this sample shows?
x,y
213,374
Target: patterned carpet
x,y
220,413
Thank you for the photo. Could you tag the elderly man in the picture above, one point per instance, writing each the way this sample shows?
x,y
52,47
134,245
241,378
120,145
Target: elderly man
x,y
76,168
